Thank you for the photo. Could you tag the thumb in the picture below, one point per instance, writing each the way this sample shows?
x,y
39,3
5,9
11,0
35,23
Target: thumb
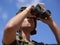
x,y
29,8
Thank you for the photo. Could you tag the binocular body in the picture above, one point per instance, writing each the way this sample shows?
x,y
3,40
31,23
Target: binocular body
x,y
38,11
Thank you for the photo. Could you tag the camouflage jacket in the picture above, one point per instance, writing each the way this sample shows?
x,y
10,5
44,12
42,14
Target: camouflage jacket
x,y
20,41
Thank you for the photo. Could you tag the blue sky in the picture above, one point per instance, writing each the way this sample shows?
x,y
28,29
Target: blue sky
x,y
8,9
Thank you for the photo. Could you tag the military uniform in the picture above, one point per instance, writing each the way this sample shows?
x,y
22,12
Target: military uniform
x,y
20,41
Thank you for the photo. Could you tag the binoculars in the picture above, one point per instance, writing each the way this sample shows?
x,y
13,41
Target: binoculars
x,y
38,11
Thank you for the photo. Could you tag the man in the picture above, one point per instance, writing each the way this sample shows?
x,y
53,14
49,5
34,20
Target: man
x,y
23,23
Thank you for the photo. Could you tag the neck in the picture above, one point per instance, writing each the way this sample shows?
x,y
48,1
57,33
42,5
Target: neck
x,y
25,36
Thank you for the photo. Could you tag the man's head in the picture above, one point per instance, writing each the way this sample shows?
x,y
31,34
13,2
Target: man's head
x,y
29,23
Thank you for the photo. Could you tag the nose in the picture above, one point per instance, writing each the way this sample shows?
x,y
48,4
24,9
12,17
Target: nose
x,y
26,22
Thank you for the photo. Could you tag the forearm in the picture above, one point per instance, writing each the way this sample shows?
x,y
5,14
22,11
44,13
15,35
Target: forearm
x,y
17,20
56,31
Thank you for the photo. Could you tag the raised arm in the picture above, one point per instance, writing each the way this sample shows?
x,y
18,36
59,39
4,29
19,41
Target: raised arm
x,y
56,31
13,25
53,27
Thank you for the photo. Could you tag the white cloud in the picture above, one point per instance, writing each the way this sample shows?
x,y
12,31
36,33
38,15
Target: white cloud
x,y
35,2
4,16
20,3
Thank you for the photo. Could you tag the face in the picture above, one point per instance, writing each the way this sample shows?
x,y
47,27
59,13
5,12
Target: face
x,y
28,24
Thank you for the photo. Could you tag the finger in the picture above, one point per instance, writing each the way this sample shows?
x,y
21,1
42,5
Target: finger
x,y
29,8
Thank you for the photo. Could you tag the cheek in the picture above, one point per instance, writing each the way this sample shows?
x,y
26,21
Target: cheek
x,y
25,24
28,24
31,22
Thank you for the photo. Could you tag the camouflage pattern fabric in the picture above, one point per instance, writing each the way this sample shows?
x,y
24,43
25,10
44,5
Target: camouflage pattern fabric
x,y
21,41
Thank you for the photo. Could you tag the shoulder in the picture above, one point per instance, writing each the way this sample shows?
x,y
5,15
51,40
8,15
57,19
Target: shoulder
x,y
41,43
38,43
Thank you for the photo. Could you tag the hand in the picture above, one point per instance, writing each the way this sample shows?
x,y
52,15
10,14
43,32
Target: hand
x,y
48,21
27,11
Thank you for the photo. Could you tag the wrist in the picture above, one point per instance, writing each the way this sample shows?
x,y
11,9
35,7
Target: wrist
x,y
52,24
